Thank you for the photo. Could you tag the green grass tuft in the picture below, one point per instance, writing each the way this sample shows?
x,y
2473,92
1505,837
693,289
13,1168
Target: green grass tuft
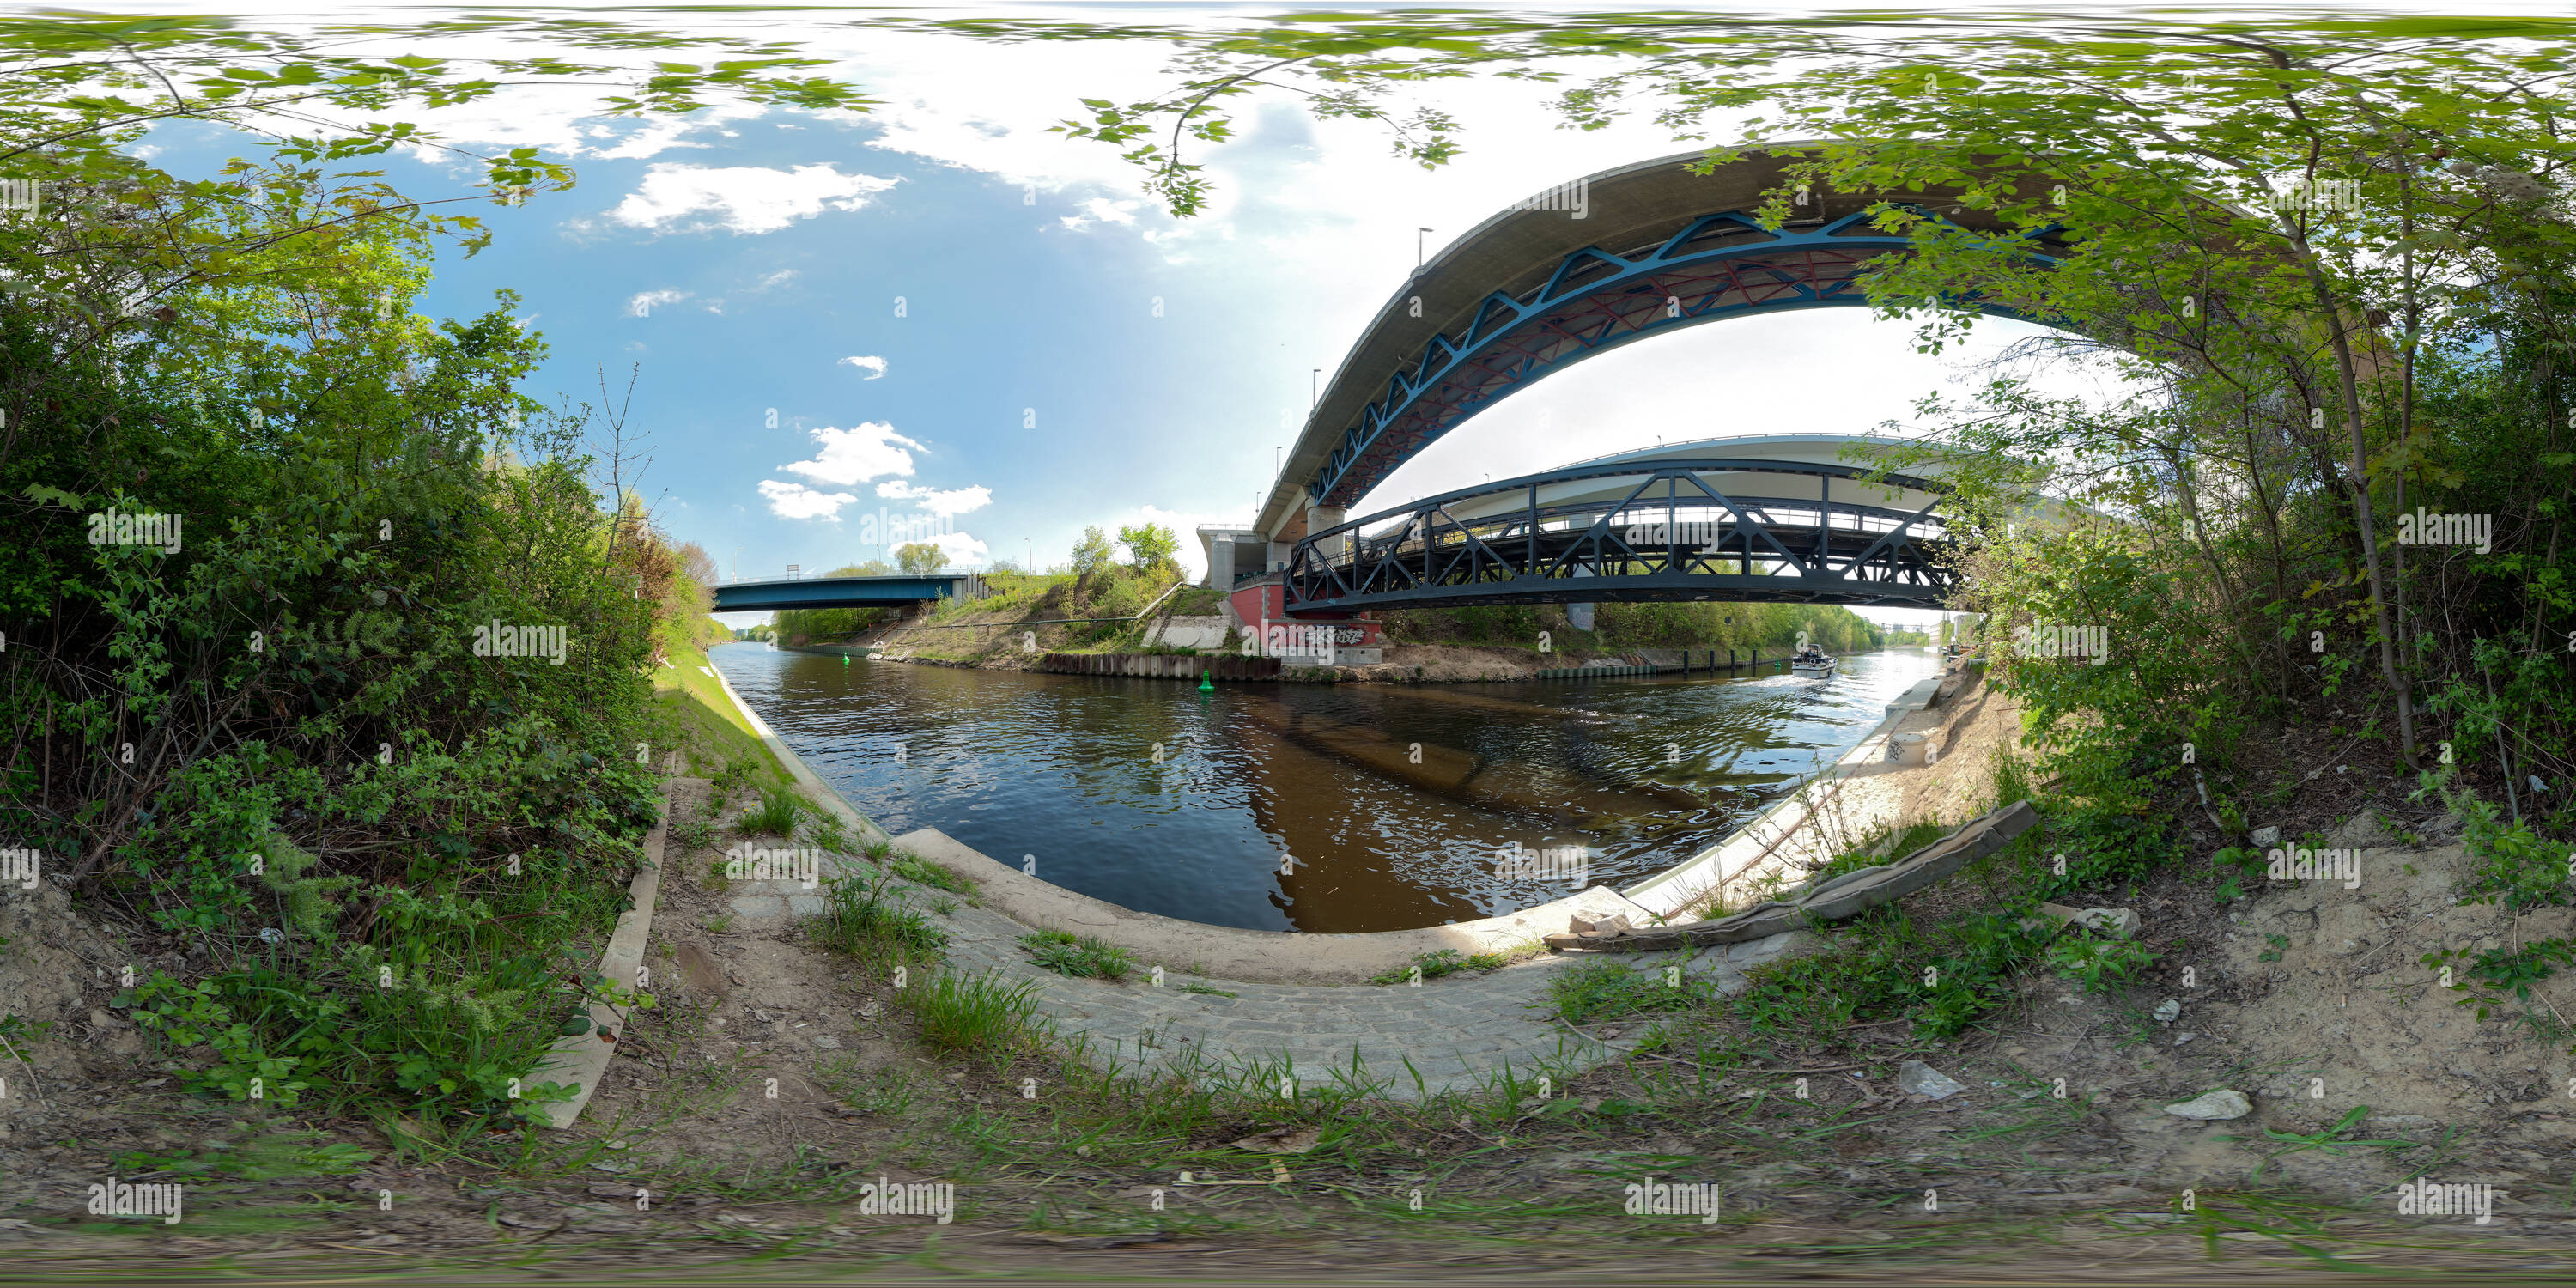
x,y
1082,957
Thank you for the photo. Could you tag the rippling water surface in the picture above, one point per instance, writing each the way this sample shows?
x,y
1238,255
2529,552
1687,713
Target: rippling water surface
x,y
1154,796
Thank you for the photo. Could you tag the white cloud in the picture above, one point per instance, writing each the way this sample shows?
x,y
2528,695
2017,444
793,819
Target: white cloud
x,y
962,548
1102,210
797,501
775,279
857,455
953,501
871,364
746,199
643,304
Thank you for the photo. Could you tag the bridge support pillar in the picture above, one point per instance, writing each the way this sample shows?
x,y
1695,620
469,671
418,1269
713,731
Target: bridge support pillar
x,y
1221,564
1320,517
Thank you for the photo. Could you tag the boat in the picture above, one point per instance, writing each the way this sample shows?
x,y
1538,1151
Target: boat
x,y
1812,662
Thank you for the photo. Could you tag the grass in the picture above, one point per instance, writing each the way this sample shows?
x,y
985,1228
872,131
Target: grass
x,y
873,921
1081,957
777,814
922,872
982,1017
696,834
694,717
1597,991
1445,961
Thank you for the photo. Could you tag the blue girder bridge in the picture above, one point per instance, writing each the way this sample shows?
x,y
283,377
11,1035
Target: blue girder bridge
x,y
887,591
1678,523
1648,248
1717,266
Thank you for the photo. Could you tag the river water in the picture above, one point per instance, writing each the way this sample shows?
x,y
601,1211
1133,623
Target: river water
x,y
1388,806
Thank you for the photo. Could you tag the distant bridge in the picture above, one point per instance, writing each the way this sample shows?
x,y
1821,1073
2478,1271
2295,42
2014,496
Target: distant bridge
x,y
894,590
1772,518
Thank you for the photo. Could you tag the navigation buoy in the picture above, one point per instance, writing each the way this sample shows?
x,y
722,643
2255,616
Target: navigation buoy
x,y
1206,684
845,659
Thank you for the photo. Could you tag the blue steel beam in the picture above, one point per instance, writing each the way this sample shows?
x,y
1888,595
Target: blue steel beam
x,y
835,592
1596,301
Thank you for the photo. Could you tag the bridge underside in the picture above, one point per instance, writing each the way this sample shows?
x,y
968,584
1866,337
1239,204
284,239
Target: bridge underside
x,y
1646,533
840,592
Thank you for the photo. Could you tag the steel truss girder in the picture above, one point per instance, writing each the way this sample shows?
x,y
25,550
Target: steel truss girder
x,y
1433,558
1510,342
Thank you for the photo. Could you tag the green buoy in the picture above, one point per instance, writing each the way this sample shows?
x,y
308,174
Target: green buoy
x,y
845,659
1206,685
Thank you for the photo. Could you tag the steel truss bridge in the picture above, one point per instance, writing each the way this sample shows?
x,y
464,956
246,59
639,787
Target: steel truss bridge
x,y
1632,529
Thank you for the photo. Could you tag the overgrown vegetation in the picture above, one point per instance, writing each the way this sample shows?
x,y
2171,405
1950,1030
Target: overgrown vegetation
x,y
327,646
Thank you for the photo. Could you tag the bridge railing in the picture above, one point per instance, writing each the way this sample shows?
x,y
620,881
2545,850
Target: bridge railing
x,y
1667,522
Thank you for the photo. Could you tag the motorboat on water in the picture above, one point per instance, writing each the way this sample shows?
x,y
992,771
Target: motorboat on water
x,y
1811,661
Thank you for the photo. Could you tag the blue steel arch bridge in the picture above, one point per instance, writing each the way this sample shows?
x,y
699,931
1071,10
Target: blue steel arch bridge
x,y
1653,247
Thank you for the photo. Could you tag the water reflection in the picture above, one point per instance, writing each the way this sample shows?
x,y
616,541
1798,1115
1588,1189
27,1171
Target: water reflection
x,y
1385,804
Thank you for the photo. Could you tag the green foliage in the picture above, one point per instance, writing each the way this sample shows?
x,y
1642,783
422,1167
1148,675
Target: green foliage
x,y
2497,971
2098,965
873,920
1150,547
984,1017
777,814
2234,866
920,557
256,1156
1091,555
2516,867
1081,957
1594,991
920,871
1443,961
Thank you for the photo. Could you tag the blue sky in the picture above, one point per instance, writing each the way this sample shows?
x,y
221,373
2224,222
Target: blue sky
x,y
1067,354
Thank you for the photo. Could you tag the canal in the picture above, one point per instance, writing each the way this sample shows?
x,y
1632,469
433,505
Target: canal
x,y
1386,805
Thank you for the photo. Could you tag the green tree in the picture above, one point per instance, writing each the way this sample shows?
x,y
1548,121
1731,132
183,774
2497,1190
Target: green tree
x,y
1092,553
920,557
1149,546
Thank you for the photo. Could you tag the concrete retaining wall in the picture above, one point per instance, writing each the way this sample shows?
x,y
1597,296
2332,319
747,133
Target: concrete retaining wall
x,y
1161,666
